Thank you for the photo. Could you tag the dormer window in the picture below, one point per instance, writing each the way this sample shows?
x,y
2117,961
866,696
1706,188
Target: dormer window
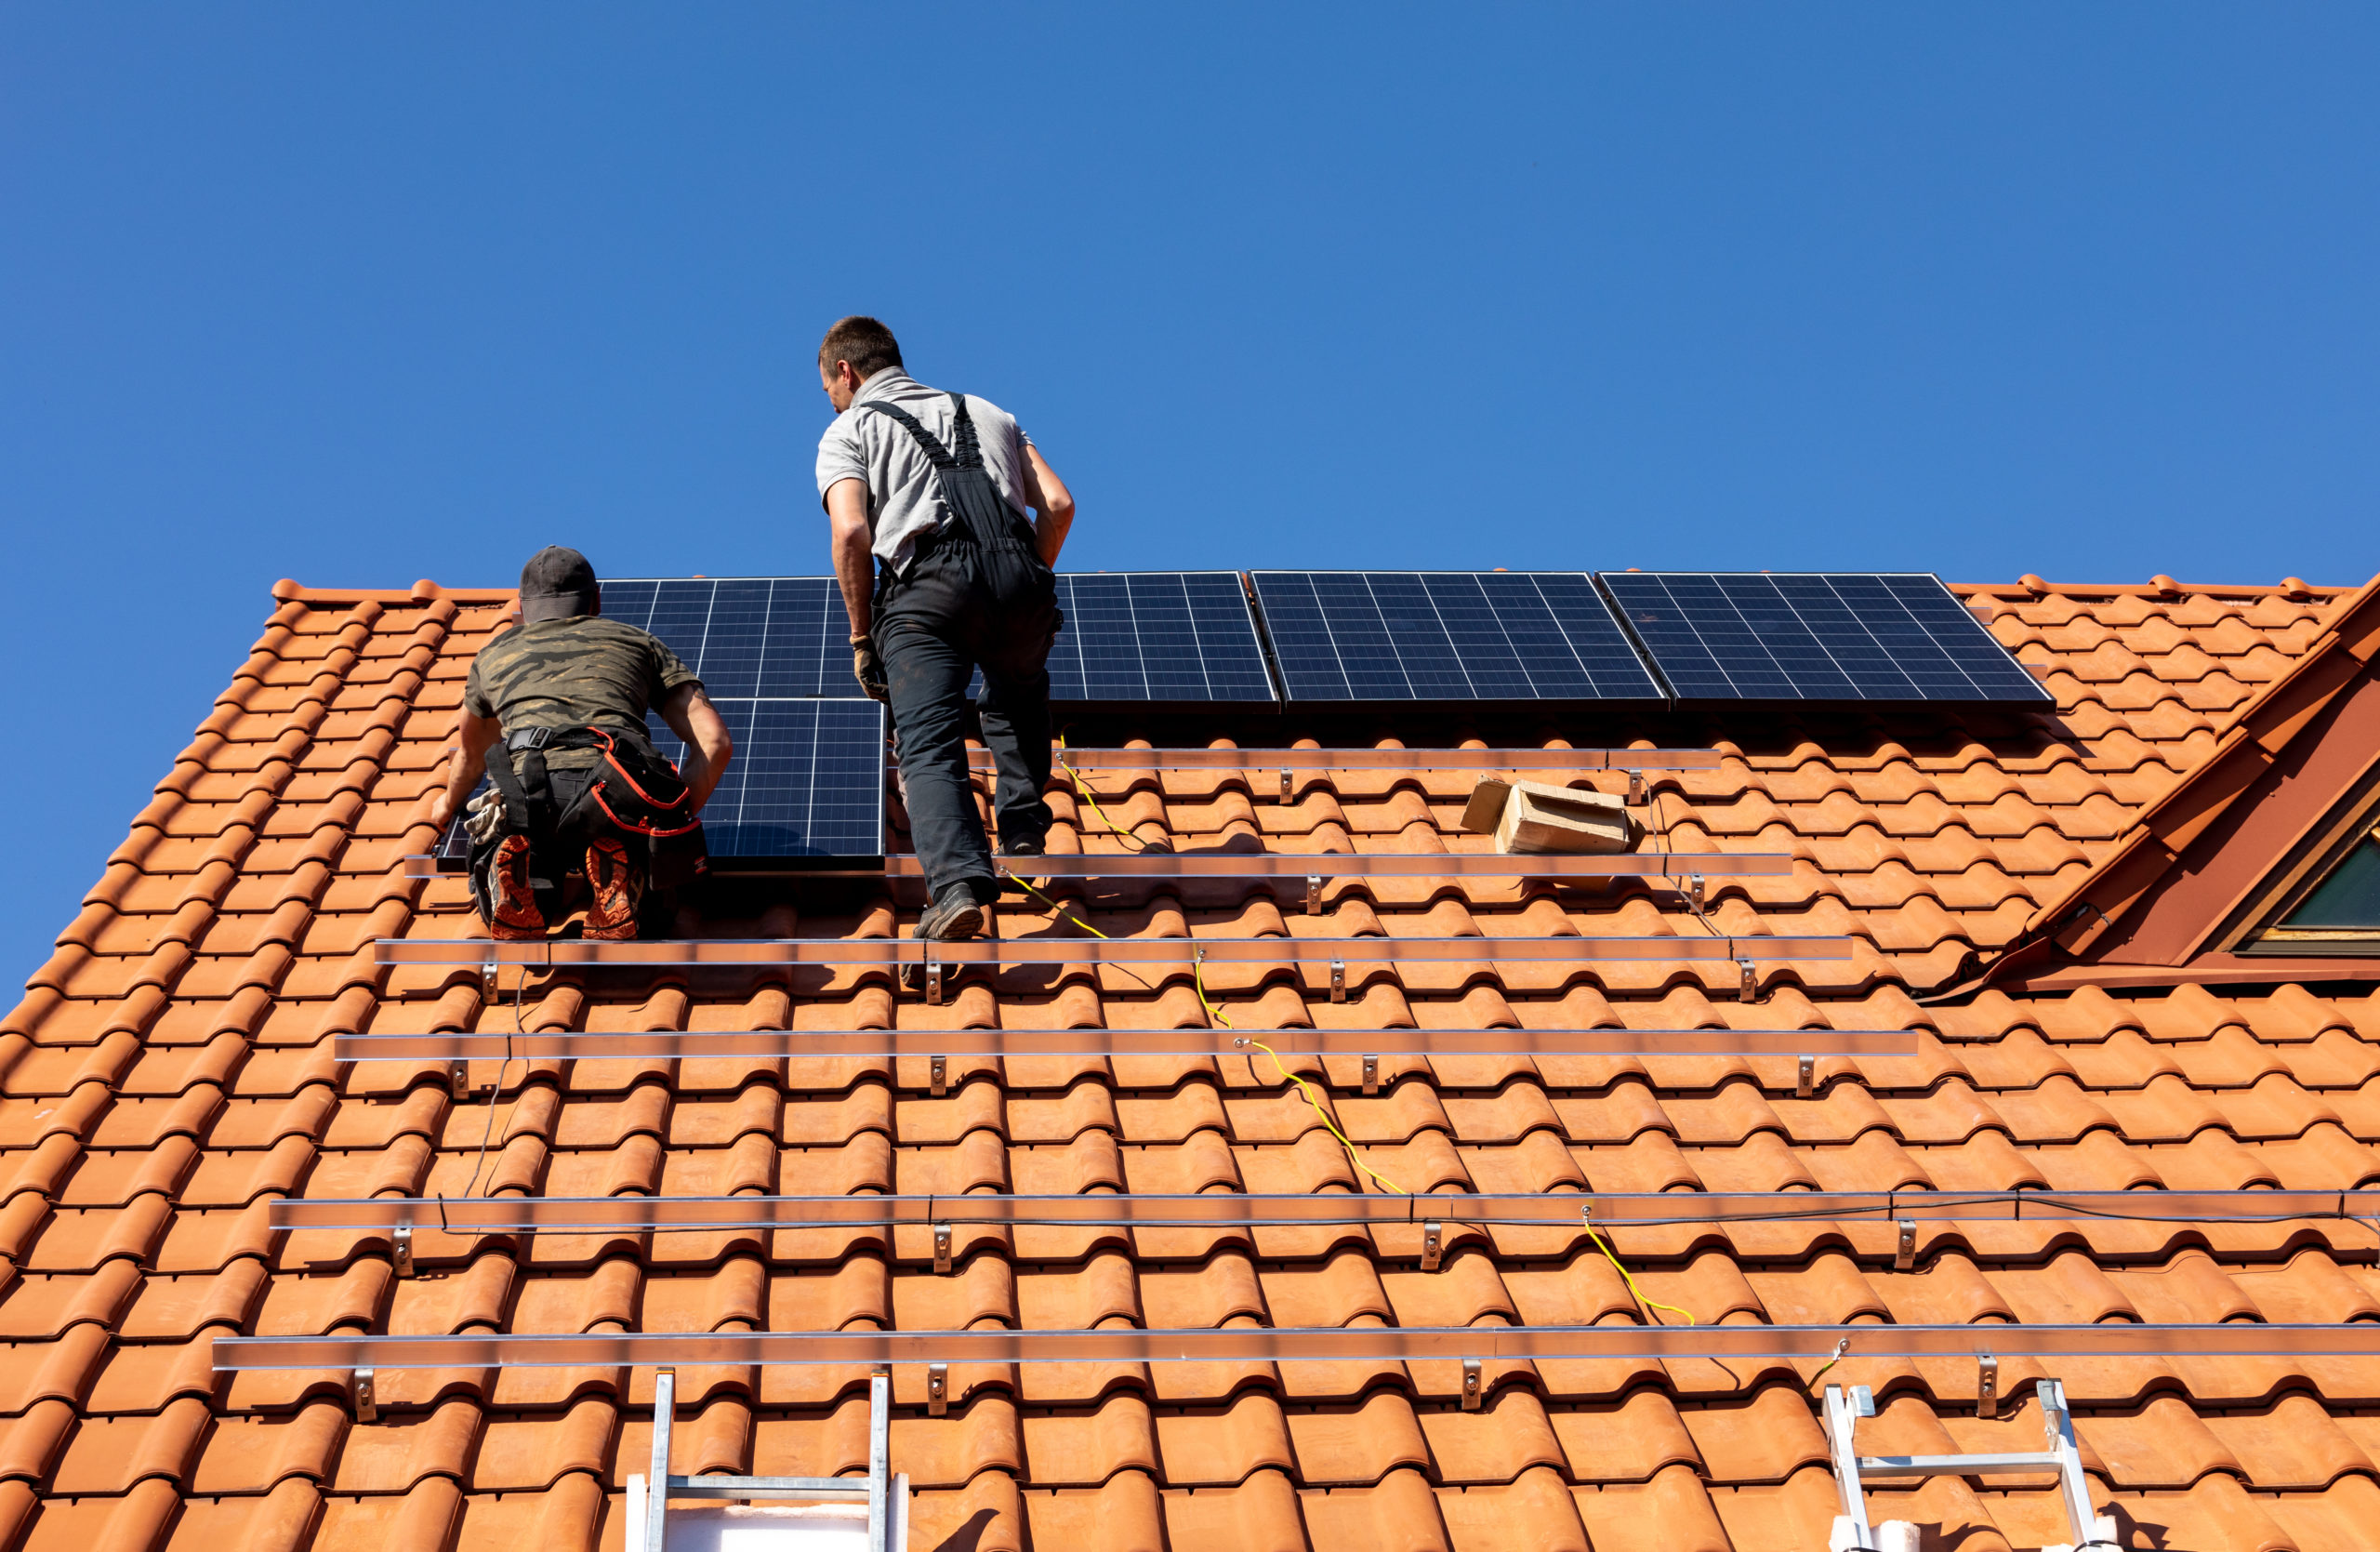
x,y
2330,902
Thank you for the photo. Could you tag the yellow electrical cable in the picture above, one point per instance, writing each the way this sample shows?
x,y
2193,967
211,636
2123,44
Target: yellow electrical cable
x,y
1647,1299
1083,790
1306,1089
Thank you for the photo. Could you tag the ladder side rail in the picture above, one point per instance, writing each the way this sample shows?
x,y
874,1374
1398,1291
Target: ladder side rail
x,y
657,1490
2057,1421
1839,1421
880,1460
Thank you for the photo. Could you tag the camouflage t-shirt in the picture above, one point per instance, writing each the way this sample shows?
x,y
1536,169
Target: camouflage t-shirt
x,y
584,671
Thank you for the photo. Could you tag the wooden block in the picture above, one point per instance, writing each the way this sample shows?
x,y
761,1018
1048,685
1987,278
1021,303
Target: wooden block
x,y
1486,805
1538,817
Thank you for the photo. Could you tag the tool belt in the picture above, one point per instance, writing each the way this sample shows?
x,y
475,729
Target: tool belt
x,y
633,794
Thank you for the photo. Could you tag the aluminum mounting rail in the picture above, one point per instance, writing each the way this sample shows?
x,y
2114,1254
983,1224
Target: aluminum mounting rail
x,y
1377,760
1324,1344
1230,1209
733,1044
1176,952
1401,865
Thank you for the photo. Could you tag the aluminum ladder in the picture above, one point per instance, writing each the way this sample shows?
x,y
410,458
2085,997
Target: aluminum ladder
x,y
886,1495
1852,1531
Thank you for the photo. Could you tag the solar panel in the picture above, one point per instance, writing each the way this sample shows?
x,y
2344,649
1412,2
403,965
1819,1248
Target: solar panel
x,y
1811,636
748,637
1178,637
1166,637
807,780
806,784
1447,635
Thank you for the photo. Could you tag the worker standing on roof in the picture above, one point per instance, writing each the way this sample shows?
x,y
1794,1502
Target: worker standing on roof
x,y
578,787
941,574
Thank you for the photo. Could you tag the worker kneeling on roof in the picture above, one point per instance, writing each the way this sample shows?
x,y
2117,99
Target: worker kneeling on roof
x,y
941,574
578,787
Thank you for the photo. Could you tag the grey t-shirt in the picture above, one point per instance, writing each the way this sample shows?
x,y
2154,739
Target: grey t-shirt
x,y
904,502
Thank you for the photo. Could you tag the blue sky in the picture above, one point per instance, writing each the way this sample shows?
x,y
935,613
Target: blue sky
x,y
358,294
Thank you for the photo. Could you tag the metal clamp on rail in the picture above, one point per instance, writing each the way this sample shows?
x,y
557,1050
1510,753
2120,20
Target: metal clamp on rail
x,y
1852,1531
885,1494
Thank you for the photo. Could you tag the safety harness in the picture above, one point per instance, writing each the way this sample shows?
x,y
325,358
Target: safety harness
x,y
634,793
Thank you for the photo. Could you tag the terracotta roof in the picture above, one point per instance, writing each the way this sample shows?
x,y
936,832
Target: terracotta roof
x,y
168,1073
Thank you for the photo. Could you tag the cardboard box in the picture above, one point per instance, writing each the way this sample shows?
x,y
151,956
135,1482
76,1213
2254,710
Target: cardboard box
x,y
1534,817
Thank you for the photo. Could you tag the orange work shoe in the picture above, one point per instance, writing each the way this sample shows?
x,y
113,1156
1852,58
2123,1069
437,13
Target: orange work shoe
x,y
517,915
619,888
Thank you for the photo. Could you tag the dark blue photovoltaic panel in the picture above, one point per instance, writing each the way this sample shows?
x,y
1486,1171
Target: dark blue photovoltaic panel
x,y
1447,636
769,637
1163,636
773,655
1847,636
1155,637
807,779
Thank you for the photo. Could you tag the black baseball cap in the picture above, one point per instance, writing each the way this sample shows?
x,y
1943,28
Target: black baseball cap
x,y
556,584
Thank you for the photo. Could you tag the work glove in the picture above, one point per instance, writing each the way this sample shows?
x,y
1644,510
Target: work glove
x,y
870,668
483,818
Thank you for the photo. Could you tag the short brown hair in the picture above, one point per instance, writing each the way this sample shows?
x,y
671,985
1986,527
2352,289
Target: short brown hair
x,y
861,340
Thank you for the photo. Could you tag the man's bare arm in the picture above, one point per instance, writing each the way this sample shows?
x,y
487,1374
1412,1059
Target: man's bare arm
x,y
696,721
473,738
1054,507
852,547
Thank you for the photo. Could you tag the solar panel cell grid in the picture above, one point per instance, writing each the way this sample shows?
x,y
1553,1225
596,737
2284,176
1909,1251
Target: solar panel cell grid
x,y
1434,636
1880,637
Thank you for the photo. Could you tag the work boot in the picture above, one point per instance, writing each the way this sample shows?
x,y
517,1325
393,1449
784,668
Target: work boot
x,y
954,914
513,900
617,888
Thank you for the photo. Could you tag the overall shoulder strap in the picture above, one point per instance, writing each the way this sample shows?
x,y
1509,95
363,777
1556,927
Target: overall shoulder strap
x,y
934,450
971,453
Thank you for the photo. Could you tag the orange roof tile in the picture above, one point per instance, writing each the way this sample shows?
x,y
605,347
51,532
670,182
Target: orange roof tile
x,y
168,1074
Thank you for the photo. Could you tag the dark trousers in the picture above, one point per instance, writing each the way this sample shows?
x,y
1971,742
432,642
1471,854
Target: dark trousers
x,y
961,608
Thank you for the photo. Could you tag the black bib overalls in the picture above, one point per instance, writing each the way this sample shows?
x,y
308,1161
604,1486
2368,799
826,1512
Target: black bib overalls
x,y
975,594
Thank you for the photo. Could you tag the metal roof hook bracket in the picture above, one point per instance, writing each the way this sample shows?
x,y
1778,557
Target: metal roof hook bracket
x,y
1806,1077
1905,1250
932,978
942,1248
367,1410
1471,1385
1747,982
1338,980
1987,1386
1371,1074
1432,1242
938,1076
400,1249
1314,894
937,1390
